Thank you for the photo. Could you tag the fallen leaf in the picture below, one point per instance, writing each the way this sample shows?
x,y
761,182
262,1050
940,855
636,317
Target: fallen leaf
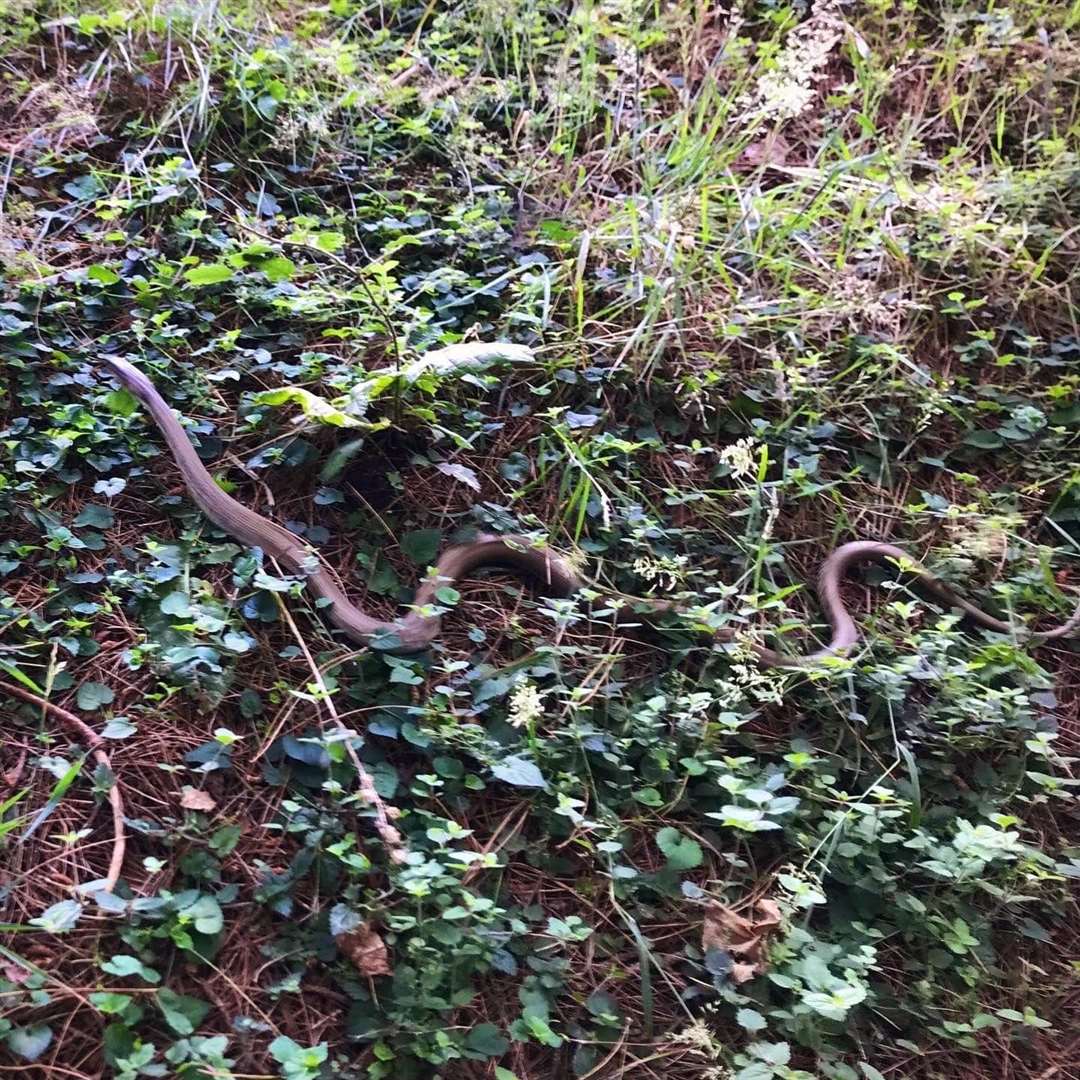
x,y
15,973
194,799
366,950
773,150
744,939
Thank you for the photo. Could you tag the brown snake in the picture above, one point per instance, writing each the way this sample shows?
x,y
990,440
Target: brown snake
x,y
553,573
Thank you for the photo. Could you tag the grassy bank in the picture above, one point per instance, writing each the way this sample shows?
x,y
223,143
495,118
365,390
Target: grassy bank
x,y
779,277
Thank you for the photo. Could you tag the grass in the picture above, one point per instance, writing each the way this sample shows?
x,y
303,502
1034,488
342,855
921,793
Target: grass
x,y
788,275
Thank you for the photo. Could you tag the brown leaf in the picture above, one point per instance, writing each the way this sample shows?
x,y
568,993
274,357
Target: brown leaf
x,y
772,150
15,973
194,799
743,938
366,950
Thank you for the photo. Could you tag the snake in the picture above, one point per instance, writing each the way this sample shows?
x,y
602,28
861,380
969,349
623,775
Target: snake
x,y
553,573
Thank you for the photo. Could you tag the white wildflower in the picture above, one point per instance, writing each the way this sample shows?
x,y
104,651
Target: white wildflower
x,y
664,570
789,87
526,705
741,458
698,1038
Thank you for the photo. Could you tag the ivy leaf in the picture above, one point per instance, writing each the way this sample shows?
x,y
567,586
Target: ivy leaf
x,y
102,274
110,1003
460,473
176,603
750,1020
125,966
95,516
206,914
29,1043
682,852
488,1040
59,917
182,1013
122,402
118,728
93,695
421,545
343,920
313,406
329,241
278,269
208,274
520,772
983,439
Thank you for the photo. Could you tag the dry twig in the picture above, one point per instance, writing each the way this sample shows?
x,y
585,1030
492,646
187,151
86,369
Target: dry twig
x,y
80,729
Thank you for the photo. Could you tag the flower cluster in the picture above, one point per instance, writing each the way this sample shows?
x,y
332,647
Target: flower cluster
x,y
526,705
789,87
663,570
741,458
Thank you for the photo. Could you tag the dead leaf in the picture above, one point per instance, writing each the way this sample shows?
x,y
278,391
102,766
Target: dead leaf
x,y
194,799
772,150
744,939
15,973
366,950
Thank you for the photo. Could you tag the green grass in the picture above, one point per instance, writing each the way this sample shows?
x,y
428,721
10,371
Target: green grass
x,y
790,275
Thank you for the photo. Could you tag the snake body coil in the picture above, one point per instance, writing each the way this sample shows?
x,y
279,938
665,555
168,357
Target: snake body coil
x,y
554,575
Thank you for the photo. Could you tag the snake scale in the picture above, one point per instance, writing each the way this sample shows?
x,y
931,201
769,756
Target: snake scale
x,y
553,574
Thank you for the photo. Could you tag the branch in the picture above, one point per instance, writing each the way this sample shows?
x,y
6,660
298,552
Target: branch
x,y
79,728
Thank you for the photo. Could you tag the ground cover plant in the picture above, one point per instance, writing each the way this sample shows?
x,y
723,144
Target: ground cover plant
x,y
768,276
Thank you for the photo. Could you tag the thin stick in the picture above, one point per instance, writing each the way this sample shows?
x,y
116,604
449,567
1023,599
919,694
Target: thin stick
x,y
390,836
87,734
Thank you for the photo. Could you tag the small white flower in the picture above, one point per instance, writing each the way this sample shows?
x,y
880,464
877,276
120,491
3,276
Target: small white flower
x,y
665,570
526,705
698,1038
741,458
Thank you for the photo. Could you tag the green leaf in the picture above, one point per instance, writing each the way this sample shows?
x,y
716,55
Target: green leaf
x,y
122,402
125,966
102,274
750,1020
251,704
29,1043
283,1049
176,603
20,677
206,914
93,695
313,406
682,852
488,1040
520,772
109,1003
421,545
59,917
461,473
182,1013
95,516
743,819
208,274
329,241
984,440
118,728
278,268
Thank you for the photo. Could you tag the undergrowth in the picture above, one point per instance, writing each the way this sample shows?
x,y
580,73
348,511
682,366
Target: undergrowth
x,y
778,276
